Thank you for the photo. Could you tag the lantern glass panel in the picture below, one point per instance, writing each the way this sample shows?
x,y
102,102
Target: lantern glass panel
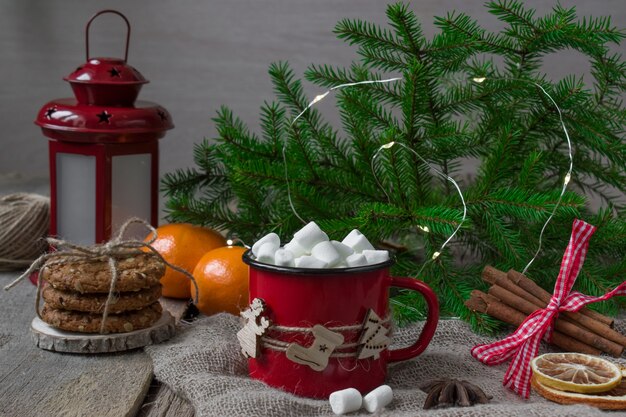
x,y
76,197
131,190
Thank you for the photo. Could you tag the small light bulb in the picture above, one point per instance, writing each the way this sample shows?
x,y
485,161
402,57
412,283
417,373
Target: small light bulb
x,y
388,145
229,242
424,229
567,178
319,98
436,255
479,79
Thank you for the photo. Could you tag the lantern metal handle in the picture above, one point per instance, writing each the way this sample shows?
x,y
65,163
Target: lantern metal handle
x,y
92,19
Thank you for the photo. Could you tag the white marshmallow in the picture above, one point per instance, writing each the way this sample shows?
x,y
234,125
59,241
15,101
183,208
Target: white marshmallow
x,y
357,241
356,259
345,401
378,399
297,249
269,238
266,253
344,250
309,236
325,251
341,264
376,256
309,262
283,257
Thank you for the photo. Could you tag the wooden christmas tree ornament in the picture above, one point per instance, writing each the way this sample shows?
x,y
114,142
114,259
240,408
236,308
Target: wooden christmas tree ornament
x,y
374,337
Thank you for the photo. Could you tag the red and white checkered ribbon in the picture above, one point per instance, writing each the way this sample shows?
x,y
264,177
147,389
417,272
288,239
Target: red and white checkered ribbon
x,y
523,344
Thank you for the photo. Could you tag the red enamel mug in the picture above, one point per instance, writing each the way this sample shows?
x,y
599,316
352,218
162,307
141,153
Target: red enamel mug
x,y
297,299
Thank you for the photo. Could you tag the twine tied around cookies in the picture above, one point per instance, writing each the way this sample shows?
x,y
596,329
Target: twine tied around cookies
x,y
110,251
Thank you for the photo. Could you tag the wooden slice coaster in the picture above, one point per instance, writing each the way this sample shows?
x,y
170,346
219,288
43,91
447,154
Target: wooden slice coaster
x,y
50,338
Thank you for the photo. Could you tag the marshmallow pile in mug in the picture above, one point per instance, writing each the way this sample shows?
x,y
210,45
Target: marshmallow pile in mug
x,y
311,248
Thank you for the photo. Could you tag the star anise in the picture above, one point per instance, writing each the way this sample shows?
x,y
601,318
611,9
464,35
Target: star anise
x,y
451,393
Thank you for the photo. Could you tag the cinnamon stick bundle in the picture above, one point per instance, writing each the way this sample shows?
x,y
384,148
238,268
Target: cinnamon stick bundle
x,y
485,303
529,290
513,296
529,285
564,326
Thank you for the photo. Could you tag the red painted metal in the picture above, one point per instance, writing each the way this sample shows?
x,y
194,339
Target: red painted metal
x,y
106,81
104,120
298,297
88,25
68,120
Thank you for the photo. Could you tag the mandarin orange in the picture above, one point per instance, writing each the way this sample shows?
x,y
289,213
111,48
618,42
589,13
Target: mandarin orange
x,y
222,279
183,244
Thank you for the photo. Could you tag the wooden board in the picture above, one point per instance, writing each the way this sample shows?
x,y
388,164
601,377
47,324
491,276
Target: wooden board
x,y
161,401
50,338
36,382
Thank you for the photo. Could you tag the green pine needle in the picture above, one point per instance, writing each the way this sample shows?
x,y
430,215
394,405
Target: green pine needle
x,y
504,124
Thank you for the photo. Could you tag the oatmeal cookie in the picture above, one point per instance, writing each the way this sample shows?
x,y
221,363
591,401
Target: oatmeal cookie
x,y
94,303
136,272
75,321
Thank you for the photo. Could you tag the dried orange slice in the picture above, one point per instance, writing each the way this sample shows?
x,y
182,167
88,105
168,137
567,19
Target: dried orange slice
x,y
614,399
576,372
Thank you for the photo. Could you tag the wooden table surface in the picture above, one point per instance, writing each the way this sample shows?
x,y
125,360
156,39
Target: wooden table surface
x,y
36,382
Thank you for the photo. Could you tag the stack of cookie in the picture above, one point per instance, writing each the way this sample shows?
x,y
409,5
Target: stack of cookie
x,y
78,290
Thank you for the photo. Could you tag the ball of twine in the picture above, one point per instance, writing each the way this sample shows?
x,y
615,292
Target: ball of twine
x,y
24,221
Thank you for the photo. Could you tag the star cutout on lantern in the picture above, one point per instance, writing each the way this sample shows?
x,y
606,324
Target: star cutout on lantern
x,y
104,117
162,115
50,111
323,348
114,72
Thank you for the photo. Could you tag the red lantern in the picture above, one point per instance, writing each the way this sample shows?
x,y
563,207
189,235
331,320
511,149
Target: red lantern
x,y
104,151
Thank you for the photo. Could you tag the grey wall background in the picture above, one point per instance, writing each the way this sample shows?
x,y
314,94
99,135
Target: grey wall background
x,y
198,55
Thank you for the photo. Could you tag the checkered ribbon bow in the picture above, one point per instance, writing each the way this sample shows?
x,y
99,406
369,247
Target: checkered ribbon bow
x,y
523,344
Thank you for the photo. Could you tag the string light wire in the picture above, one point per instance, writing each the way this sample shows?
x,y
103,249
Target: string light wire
x,y
317,99
389,145
437,253
478,80
322,96
233,240
293,208
568,175
385,146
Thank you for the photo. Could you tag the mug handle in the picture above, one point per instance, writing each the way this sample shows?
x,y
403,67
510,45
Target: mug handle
x,y
431,321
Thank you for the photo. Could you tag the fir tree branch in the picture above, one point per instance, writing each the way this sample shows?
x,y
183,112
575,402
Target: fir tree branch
x,y
368,34
406,27
505,125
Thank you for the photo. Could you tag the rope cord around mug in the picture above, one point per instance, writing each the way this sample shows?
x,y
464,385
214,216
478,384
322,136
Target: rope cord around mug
x,y
279,345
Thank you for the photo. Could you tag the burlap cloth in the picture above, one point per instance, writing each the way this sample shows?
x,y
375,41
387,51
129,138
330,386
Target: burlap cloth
x,y
204,364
